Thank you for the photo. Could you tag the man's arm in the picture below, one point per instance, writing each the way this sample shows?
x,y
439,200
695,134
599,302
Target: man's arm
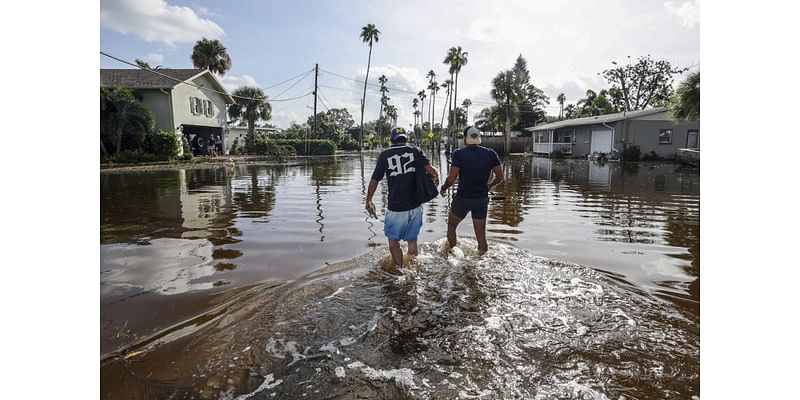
x,y
498,176
451,179
433,173
373,185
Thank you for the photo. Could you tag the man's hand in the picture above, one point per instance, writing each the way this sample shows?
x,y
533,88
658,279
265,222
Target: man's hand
x,y
371,209
443,191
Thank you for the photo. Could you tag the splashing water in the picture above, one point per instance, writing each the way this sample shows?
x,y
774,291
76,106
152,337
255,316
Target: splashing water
x,y
455,324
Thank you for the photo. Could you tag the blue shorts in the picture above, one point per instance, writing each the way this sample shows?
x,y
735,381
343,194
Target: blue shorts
x,y
403,225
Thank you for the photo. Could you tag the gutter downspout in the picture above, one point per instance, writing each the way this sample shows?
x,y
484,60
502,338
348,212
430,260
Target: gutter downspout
x,y
613,134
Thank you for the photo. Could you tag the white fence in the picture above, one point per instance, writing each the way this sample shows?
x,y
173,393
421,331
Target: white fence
x,y
548,148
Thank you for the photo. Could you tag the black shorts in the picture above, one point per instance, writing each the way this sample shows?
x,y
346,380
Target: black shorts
x,y
477,207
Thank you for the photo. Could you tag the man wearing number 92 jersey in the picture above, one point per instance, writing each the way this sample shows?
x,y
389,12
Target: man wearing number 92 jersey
x,y
403,220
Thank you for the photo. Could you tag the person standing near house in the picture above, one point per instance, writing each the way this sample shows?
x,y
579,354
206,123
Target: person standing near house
x,y
403,220
471,166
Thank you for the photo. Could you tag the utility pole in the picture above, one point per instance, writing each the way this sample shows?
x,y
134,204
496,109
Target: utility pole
x,y
316,75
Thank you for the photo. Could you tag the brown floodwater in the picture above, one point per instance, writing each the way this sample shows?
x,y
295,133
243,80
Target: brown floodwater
x,y
591,289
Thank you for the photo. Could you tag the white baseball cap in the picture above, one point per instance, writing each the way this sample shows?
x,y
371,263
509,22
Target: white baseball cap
x,y
472,135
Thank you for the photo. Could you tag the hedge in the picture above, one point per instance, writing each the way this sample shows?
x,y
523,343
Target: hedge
x,y
162,144
316,147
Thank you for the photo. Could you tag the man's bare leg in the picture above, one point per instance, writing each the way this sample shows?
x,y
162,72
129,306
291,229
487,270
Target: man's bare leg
x,y
412,248
480,234
397,252
452,224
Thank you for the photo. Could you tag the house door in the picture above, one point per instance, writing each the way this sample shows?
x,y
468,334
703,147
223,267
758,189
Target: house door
x,y
693,139
601,142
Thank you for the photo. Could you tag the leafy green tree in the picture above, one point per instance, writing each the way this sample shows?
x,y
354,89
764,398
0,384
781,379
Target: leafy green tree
x,y
369,34
250,106
489,119
595,104
685,103
121,112
641,84
142,63
211,54
532,99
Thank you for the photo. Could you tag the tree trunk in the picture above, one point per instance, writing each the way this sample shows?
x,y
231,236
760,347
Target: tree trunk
x,y
119,140
508,129
455,102
364,100
251,136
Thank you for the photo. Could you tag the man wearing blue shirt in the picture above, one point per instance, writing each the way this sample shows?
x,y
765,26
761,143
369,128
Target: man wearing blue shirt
x,y
471,165
403,220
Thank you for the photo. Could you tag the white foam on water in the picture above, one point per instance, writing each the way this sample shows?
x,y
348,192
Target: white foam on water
x,y
339,290
330,348
269,383
339,372
347,341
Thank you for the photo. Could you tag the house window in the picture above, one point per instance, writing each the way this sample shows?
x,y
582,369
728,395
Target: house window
x,y
191,106
665,136
540,137
198,105
210,109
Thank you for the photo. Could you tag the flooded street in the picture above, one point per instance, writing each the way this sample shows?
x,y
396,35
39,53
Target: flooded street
x,y
264,282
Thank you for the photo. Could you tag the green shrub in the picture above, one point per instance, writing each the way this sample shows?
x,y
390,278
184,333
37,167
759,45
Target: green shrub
x,y
558,154
133,156
187,149
316,147
269,147
631,153
652,157
162,144
348,143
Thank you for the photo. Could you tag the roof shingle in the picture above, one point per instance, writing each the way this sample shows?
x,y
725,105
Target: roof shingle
x,y
141,79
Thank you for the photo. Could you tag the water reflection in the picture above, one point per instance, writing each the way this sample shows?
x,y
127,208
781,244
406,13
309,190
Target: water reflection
x,y
255,222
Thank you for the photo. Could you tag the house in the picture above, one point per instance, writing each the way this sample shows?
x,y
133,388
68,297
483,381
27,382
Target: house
x,y
652,130
192,102
238,135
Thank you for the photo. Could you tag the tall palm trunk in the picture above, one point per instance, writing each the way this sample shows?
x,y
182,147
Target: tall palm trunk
x,y
363,101
251,135
455,101
119,140
380,125
421,119
433,109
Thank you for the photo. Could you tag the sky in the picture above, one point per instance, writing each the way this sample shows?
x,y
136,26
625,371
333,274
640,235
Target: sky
x,y
565,42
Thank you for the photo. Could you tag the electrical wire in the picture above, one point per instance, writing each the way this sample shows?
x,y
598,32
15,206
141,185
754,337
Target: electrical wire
x,y
199,86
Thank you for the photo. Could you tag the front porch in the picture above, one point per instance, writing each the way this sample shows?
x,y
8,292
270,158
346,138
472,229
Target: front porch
x,y
547,142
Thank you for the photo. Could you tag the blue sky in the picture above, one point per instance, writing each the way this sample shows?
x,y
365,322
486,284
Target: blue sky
x,y
565,42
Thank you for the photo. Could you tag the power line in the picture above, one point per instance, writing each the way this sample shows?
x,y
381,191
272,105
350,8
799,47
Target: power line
x,y
295,84
282,82
192,84
322,97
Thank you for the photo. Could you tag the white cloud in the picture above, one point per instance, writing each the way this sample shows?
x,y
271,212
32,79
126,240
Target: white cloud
x,y
154,58
232,82
688,12
157,21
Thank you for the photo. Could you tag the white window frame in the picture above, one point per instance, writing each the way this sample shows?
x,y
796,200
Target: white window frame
x,y
662,131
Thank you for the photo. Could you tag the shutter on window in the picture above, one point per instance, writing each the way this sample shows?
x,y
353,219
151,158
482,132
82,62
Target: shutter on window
x,y
210,109
191,105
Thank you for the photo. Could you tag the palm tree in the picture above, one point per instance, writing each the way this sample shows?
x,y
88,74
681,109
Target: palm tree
x,y
250,106
457,58
391,113
447,85
369,34
211,55
421,96
384,101
503,91
119,110
141,63
561,99
415,104
433,87
466,103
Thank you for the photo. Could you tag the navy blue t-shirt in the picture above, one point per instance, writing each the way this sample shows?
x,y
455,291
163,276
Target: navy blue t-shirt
x,y
475,163
400,163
